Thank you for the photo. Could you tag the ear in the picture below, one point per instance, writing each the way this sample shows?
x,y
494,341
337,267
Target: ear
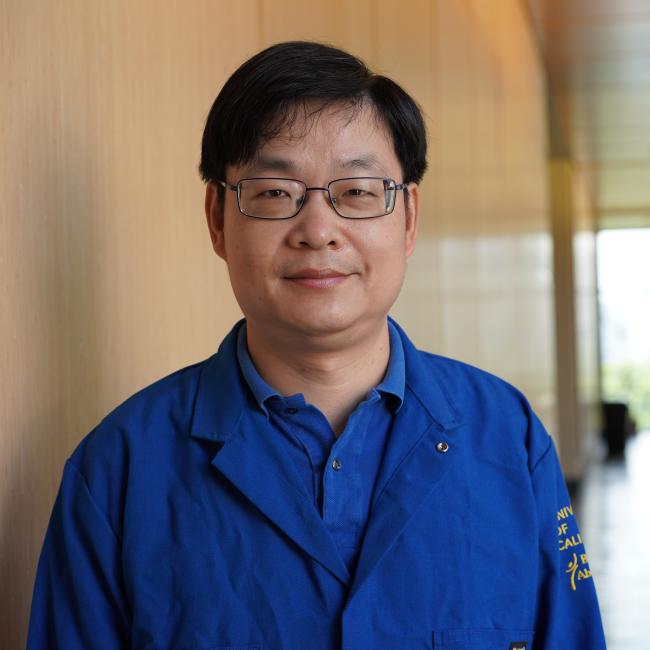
x,y
412,209
214,215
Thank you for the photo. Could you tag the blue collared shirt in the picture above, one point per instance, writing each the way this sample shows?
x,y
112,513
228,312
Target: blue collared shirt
x,y
339,474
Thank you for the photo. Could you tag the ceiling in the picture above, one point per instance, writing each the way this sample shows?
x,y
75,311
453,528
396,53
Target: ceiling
x,y
598,58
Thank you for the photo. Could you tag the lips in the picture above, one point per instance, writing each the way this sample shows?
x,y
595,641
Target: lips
x,y
317,278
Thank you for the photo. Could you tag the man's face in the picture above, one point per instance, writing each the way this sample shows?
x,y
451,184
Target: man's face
x,y
317,273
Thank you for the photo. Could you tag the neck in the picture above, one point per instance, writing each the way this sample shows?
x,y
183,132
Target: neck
x,y
335,379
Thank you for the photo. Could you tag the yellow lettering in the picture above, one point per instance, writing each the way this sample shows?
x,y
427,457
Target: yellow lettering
x,y
562,529
570,542
583,558
583,574
565,512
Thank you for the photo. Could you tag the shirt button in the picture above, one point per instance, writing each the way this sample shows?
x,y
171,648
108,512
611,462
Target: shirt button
x,y
442,447
336,464
291,410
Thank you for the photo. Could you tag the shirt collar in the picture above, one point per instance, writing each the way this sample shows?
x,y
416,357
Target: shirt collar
x,y
219,418
395,378
391,385
260,389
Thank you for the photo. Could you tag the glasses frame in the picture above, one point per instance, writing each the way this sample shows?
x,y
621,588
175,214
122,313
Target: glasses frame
x,y
393,186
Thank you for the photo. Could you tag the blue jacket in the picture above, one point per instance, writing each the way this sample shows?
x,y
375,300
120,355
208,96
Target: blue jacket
x,y
178,525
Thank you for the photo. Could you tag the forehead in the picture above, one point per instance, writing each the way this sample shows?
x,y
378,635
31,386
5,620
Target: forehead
x,y
337,138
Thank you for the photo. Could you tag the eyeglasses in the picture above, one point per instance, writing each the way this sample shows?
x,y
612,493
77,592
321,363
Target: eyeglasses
x,y
282,198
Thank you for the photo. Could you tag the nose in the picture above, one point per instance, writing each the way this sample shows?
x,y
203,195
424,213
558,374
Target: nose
x,y
317,225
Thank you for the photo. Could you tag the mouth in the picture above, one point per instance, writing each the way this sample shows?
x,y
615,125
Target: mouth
x,y
317,278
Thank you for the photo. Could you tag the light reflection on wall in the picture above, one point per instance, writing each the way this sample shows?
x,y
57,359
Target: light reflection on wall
x,y
480,284
486,301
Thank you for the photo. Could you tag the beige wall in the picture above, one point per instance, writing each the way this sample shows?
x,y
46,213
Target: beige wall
x,y
107,277
481,287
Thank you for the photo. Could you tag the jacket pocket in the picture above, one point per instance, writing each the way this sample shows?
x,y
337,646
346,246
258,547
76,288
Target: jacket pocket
x,y
483,639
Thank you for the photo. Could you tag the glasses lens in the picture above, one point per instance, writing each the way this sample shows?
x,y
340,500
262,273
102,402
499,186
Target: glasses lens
x,y
362,198
270,198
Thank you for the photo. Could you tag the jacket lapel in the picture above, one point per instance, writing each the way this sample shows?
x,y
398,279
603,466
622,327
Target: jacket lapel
x,y
411,469
253,464
413,464
251,461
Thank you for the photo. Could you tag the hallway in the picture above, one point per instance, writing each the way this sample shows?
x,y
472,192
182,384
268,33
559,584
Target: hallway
x,y
613,510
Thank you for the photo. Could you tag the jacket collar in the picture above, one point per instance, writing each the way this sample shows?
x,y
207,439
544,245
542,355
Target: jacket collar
x,y
427,386
222,393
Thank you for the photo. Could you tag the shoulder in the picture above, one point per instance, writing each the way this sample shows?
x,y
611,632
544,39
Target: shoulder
x,y
469,383
138,443
155,405
496,412
467,390
149,422
158,403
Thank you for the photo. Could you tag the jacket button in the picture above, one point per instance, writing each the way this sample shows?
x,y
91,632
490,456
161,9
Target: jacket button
x,y
442,447
336,464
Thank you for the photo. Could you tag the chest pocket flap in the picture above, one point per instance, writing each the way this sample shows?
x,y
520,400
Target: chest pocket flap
x,y
483,640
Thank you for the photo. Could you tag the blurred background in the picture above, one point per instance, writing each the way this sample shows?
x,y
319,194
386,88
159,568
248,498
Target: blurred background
x,y
533,259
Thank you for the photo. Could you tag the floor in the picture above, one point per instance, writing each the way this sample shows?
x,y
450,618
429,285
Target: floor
x,y
613,510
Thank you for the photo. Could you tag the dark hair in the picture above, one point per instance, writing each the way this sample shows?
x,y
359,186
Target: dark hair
x,y
264,95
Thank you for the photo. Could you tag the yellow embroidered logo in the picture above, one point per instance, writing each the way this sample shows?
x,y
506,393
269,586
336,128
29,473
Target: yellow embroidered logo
x,y
581,574
569,538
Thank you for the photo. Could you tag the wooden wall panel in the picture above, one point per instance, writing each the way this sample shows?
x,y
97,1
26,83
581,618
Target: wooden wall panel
x,y
107,277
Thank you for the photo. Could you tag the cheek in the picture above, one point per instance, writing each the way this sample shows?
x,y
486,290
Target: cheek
x,y
250,264
387,251
389,264
248,243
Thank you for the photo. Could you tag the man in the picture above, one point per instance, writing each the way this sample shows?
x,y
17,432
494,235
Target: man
x,y
318,482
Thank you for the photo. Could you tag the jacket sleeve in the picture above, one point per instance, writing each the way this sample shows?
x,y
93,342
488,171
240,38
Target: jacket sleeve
x,y
568,616
78,600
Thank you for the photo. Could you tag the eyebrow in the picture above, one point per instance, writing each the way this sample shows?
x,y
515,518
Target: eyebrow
x,y
270,164
366,162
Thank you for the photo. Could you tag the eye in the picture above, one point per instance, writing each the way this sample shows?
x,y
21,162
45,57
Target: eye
x,y
273,194
359,193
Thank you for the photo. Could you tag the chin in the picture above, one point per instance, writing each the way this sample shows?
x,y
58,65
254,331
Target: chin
x,y
315,324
